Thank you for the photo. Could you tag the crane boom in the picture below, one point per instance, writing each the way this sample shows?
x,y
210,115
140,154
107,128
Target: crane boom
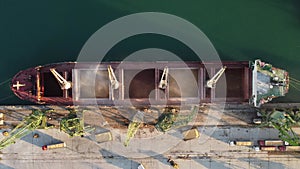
x,y
64,84
213,81
112,78
133,127
164,79
114,84
73,123
35,120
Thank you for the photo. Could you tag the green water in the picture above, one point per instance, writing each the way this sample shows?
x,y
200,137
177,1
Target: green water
x,y
36,33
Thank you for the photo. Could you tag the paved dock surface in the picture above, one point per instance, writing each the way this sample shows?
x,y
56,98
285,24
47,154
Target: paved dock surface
x,y
151,148
211,150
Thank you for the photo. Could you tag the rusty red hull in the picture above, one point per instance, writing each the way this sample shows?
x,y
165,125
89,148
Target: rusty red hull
x,y
138,83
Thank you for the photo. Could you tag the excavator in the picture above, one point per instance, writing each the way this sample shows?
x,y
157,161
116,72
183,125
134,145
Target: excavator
x,y
213,81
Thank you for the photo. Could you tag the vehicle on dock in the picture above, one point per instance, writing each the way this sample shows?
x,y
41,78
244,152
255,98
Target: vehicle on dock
x,y
269,148
272,143
241,143
54,146
289,148
278,148
72,83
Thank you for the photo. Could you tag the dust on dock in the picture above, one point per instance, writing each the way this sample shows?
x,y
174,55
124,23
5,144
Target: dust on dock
x,y
119,117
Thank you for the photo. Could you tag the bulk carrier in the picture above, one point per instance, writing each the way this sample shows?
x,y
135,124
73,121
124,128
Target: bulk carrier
x,y
155,83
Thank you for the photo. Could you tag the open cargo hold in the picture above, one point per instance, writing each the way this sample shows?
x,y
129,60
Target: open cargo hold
x,y
141,83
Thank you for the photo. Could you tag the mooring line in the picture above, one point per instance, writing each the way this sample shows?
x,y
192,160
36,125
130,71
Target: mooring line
x,y
7,97
5,81
295,87
295,79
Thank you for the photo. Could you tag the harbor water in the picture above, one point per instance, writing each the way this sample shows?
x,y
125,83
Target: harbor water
x,y
37,33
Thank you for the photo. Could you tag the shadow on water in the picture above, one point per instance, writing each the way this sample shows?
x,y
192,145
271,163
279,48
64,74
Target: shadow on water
x,y
259,163
43,139
118,160
264,56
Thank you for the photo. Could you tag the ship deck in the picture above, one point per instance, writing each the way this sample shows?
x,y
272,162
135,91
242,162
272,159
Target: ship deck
x,y
138,83
268,83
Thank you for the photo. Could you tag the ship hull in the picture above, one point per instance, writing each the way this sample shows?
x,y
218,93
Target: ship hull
x,y
139,83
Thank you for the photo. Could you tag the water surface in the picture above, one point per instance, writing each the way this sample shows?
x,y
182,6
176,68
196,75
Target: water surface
x,y
36,33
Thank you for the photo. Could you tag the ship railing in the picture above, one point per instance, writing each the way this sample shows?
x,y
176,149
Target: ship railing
x,y
254,83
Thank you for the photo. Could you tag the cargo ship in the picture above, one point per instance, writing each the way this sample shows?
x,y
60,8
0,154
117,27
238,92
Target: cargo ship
x,y
155,83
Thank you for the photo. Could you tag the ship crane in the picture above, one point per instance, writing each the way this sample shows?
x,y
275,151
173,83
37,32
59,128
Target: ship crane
x,y
64,84
114,84
213,81
112,78
164,79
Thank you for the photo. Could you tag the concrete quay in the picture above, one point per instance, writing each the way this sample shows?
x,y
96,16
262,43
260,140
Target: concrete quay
x,y
217,127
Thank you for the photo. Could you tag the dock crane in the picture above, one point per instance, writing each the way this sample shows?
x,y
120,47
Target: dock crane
x,y
37,119
73,123
133,127
170,120
114,84
213,81
283,121
164,79
64,84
